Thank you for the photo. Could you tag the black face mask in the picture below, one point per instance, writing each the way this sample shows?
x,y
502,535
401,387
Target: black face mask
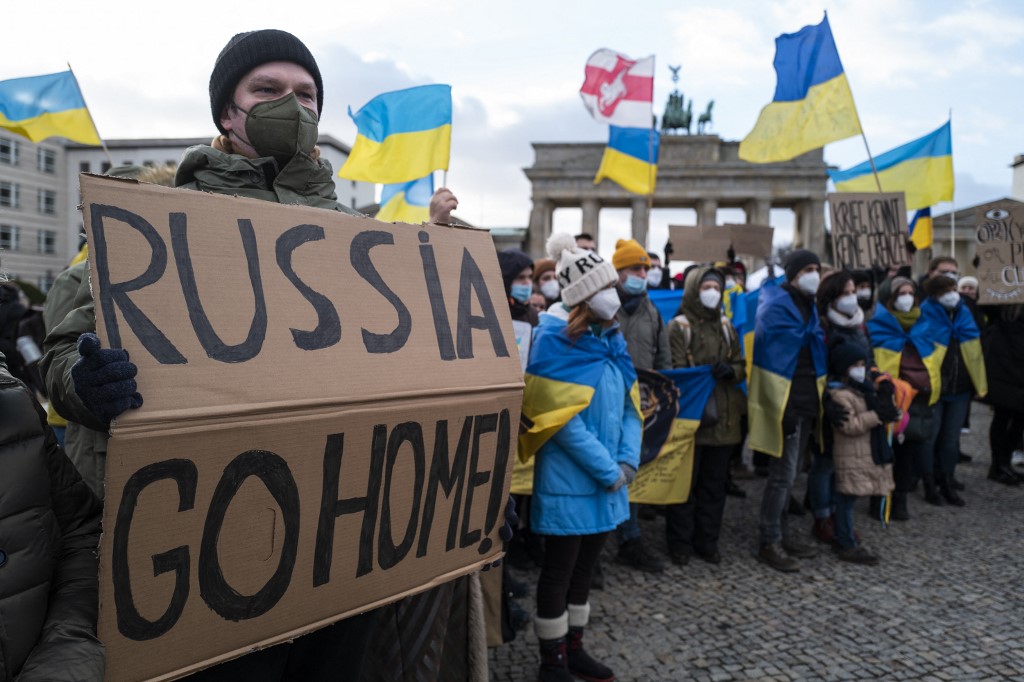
x,y
280,128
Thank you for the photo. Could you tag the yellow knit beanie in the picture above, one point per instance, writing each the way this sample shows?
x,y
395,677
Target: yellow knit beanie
x,y
628,253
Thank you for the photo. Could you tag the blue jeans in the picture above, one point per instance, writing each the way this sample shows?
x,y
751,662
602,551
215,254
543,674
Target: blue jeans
x,y
844,519
781,475
819,485
949,417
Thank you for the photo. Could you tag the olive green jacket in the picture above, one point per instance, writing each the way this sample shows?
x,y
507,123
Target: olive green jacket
x,y
712,338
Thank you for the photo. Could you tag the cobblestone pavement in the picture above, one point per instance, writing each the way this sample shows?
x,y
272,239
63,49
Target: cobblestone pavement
x,y
945,603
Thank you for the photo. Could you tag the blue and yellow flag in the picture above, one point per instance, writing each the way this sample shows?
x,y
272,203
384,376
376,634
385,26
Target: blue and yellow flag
x,y
406,202
666,478
921,229
888,339
964,330
631,159
39,107
813,104
921,169
401,136
780,333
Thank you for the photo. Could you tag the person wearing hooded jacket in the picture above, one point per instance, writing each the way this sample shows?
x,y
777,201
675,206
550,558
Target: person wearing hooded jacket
x,y
1003,340
584,463
266,95
49,530
701,335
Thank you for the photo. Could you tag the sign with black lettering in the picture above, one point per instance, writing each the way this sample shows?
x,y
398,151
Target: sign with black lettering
x,y
868,229
329,418
999,235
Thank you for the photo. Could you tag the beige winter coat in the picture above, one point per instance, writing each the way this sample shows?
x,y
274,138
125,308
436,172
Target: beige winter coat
x,y
856,472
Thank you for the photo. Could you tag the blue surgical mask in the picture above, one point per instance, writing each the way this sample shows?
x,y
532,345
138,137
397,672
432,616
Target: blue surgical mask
x,y
521,292
634,286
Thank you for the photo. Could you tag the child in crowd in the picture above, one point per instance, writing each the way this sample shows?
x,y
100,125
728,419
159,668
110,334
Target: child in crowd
x,y
860,446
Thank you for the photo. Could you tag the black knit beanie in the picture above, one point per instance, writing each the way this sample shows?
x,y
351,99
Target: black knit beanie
x,y
843,355
512,262
798,260
245,51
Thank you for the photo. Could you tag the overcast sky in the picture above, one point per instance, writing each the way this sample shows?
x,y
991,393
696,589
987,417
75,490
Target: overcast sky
x,y
516,68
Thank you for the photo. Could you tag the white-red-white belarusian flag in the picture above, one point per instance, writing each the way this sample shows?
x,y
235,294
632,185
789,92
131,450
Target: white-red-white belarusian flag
x,y
618,90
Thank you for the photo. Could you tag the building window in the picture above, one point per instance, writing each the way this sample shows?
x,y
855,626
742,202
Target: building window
x,y
84,167
126,163
46,281
47,202
8,151
47,241
10,237
46,160
104,167
9,194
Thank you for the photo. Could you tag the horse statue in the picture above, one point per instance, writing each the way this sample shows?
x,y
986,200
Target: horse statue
x,y
705,118
675,116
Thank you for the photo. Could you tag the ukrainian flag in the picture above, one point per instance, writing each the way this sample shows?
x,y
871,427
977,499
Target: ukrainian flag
x,y
778,337
666,479
813,104
39,107
964,330
888,339
631,159
921,169
406,202
921,229
401,136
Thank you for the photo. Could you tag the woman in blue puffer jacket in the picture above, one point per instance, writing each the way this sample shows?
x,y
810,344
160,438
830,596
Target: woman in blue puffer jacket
x,y
582,399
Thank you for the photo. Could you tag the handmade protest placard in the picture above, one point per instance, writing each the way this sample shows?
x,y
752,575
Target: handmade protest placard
x,y
698,243
868,229
750,240
330,416
999,235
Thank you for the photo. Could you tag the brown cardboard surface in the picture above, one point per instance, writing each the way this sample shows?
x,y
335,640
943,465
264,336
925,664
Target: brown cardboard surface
x,y
868,229
698,244
750,240
276,481
999,235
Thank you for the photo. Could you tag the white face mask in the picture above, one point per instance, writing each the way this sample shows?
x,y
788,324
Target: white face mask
x,y
605,303
864,294
952,275
710,298
654,278
857,374
729,283
949,300
847,305
904,303
808,283
550,289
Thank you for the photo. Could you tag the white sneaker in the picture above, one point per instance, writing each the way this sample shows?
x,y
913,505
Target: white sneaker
x,y
1018,458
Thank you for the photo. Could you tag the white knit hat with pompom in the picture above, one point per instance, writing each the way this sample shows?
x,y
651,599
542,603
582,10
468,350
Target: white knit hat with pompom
x,y
581,273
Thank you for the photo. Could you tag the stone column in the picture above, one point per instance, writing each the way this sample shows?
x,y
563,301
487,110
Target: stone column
x,y
540,227
640,220
758,211
811,227
591,224
706,209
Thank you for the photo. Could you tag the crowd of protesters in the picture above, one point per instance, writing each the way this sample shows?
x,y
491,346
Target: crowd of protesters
x,y
871,407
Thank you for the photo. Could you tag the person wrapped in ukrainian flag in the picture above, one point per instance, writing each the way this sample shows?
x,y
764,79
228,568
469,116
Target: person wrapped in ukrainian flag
x,y
582,404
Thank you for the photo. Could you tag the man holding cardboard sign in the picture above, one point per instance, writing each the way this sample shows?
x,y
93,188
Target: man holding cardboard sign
x,y
244,436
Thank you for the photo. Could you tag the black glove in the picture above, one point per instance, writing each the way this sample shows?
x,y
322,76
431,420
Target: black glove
x,y
507,529
976,261
885,402
104,378
668,252
731,253
834,412
723,371
911,247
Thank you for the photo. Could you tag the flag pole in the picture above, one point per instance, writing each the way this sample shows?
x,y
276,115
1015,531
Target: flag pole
x,y
952,200
650,161
103,143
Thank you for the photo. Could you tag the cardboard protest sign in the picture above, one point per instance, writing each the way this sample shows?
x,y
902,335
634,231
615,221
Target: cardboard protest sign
x,y
999,235
330,413
750,240
868,229
698,244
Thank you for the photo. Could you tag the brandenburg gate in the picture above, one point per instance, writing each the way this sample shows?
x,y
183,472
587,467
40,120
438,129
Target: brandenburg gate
x,y
701,172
